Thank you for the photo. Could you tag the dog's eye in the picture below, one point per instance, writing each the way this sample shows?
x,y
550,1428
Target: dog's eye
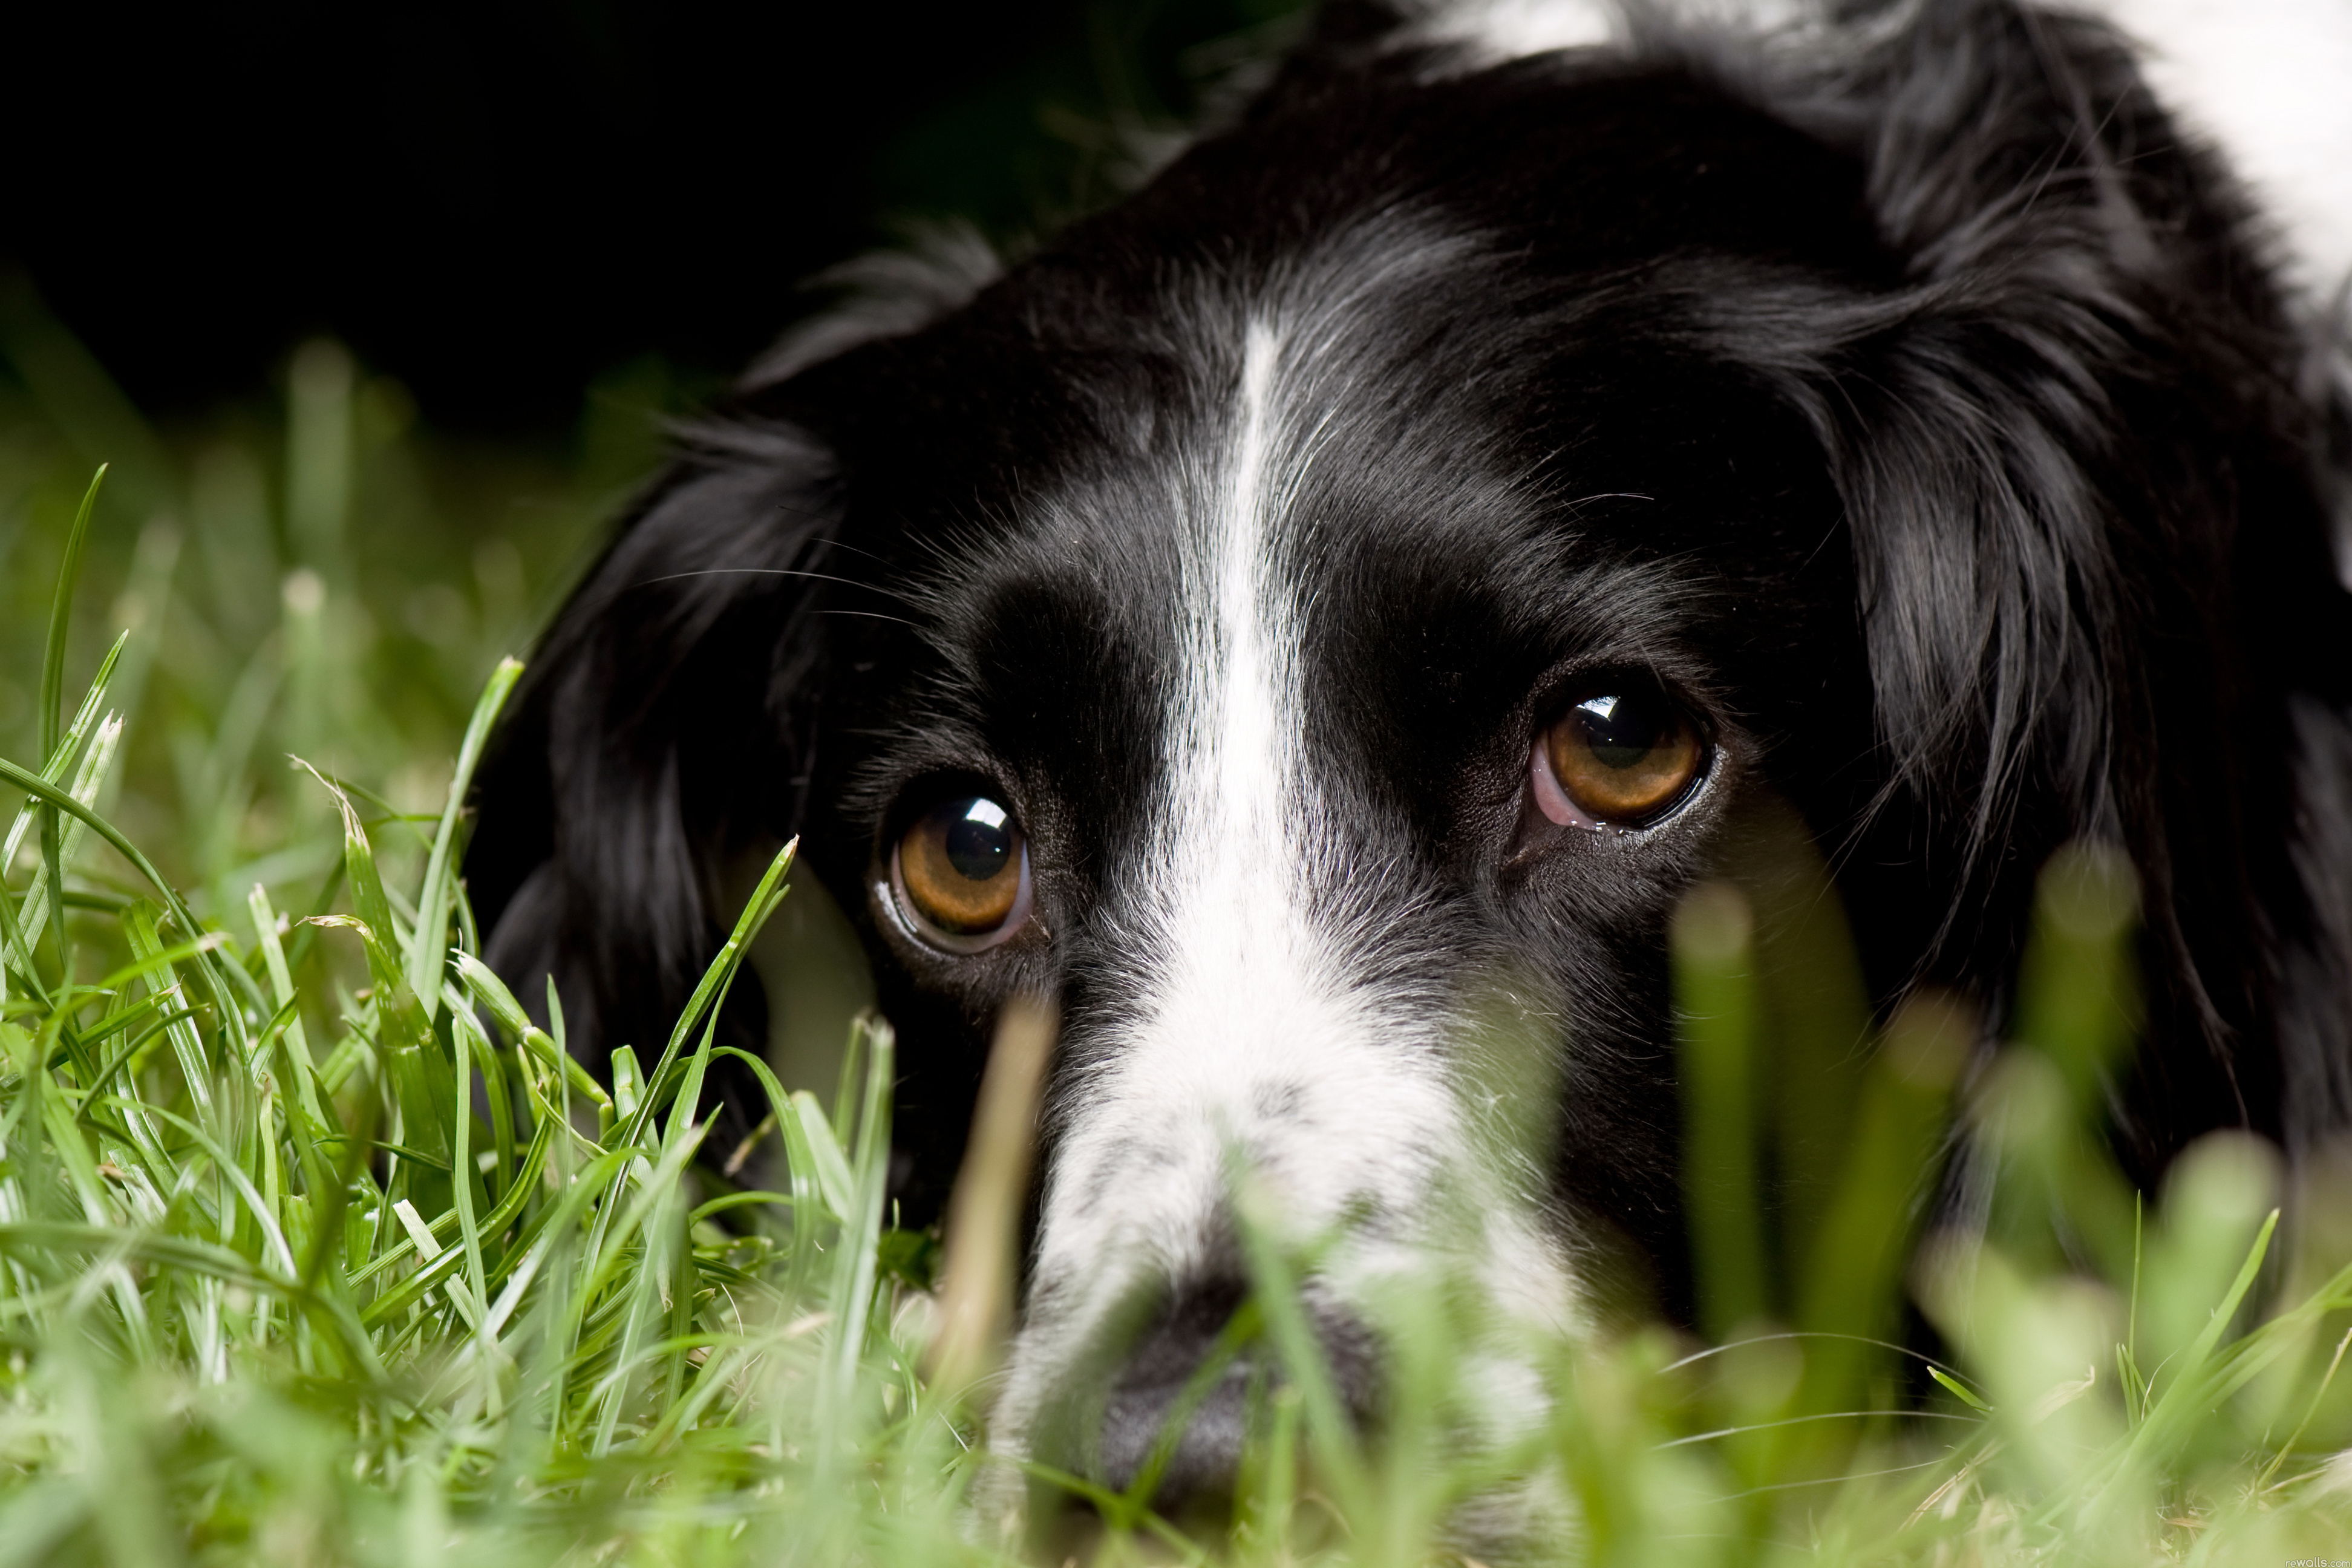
x,y
1622,758
962,872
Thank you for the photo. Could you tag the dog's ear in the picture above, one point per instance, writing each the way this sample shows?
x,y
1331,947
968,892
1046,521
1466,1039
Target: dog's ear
x,y
661,731
2063,280
2092,559
664,735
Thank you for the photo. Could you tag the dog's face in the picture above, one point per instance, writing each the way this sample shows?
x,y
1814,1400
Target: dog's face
x,y
1342,684
1314,622
1328,664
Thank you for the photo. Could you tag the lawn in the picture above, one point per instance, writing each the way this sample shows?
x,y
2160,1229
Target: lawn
x,y
313,1250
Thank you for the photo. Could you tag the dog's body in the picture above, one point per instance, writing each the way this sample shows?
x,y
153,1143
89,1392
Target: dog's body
x,y
1203,626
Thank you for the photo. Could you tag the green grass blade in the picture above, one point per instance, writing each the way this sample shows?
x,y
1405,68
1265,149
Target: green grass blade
x,y
164,980
267,938
468,1034
21,932
215,970
90,778
1716,1018
427,948
462,1176
1274,1284
716,976
851,1298
52,670
488,991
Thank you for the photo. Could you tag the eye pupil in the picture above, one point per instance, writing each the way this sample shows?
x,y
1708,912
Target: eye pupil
x,y
978,849
1621,732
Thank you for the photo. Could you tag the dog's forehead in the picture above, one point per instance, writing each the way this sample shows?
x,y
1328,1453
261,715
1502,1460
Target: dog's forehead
x,y
1369,445
1293,460
1482,432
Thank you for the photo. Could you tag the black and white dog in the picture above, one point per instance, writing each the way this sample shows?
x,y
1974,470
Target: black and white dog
x,y
1313,621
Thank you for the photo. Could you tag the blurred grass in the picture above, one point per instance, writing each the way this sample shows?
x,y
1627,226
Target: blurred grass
x,y
312,1250
307,575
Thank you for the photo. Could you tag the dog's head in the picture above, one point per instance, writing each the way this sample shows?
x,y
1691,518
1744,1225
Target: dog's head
x,y
1313,622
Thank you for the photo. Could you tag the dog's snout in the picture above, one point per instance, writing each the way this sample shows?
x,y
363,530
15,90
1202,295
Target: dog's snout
x,y
1178,1416
1175,1414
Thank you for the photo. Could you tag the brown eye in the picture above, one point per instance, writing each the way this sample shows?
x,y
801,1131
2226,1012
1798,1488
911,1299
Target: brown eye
x,y
1622,758
962,871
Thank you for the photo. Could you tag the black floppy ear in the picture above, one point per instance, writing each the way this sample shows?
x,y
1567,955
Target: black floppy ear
x,y
2091,555
662,729
2014,430
665,729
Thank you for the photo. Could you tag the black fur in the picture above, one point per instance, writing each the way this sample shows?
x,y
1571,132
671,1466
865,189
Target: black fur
x,y
1923,410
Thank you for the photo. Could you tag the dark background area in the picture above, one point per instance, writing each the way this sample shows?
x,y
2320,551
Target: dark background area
x,y
495,202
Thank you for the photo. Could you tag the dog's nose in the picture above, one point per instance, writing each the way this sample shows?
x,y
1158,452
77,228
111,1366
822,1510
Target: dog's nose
x,y
1161,1417
1179,1413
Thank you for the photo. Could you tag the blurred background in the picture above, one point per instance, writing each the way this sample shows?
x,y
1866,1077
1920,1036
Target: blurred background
x,y
376,312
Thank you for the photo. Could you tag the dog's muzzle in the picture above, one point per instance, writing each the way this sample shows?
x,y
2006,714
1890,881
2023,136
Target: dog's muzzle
x,y
1190,1392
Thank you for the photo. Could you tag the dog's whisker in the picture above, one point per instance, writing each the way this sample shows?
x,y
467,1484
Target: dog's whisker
x,y
770,572
869,614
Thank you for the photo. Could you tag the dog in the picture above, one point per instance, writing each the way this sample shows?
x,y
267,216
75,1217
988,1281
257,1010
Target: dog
x,y
1314,619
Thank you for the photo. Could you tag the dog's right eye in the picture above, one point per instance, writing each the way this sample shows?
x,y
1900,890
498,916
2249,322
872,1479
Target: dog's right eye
x,y
962,873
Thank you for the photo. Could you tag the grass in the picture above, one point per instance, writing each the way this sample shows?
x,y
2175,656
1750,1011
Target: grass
x,y
313,1250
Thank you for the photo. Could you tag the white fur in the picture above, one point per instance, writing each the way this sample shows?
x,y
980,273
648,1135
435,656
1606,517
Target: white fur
x,y
1250,998
1491,32
1250,993
2270,81
2267,81
1263,1033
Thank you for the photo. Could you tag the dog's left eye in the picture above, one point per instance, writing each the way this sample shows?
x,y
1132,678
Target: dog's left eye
x,y
1623,758
962,873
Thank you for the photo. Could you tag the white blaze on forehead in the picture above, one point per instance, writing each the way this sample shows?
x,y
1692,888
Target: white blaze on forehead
x,y
1261,1015
1250,1034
